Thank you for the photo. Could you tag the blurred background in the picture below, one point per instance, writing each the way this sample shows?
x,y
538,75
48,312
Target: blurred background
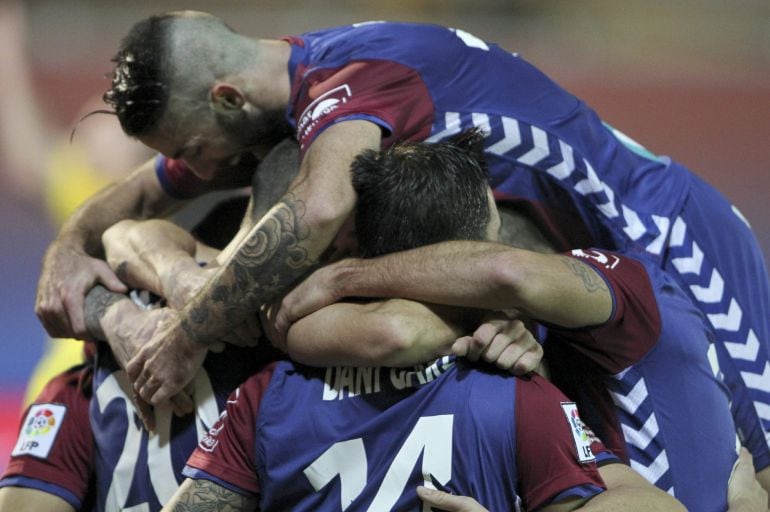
x,y
689,79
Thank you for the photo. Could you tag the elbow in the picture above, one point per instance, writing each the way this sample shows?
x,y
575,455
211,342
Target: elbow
x,y
398,343
328,210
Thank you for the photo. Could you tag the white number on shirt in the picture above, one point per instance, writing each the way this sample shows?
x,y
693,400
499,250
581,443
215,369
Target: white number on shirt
x,y
431,436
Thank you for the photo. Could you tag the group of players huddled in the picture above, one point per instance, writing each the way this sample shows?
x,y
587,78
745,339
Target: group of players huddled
x,y
452,285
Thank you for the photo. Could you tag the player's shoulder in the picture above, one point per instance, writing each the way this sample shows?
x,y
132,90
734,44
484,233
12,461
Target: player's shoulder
x,y
73,382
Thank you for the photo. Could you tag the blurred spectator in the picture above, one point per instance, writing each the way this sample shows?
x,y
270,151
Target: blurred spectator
x,y
42,166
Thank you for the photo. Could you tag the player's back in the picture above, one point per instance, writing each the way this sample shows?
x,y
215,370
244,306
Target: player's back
x,y
544,144
364,438
666,412
676,387
134,468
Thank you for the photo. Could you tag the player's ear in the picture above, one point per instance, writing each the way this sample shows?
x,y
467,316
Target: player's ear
x,y
226,98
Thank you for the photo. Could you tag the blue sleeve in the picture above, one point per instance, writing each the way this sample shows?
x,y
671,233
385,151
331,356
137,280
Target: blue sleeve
x,y
40,485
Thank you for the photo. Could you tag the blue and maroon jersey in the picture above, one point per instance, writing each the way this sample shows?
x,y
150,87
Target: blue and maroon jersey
x,y
135,468
647,383
54,450
325,439
585,183
427,82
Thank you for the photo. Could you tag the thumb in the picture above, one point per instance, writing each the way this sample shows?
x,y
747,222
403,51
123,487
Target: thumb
x,y
448,502
461,346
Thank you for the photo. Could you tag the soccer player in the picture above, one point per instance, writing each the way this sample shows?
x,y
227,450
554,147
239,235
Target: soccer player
x,y
290,432
366,86
64,464
623,339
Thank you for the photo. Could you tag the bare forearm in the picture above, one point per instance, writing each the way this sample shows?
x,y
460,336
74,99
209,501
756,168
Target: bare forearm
x,y
138,195
554,288
384,333
628,491
452,273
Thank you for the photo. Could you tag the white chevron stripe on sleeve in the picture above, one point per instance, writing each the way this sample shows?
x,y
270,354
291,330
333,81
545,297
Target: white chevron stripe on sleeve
x,y
608,208
510,140
656,246
452,120
631,401
591,184
540,149
563,169
677,233
744,351
763,411
713,293
757,381
655,470
481,121
730,321
641,438
691,264
635,228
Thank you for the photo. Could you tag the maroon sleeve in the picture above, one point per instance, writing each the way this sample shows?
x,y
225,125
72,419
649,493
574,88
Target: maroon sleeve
x,y
634,326
554,449
55,444
180,182
384,92
227,451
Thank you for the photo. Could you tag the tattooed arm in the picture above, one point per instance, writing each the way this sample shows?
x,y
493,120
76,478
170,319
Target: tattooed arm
x,y
281,247
554,288
203,495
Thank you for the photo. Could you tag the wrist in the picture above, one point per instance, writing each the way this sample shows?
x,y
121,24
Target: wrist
x,y
346,279
195,331
119,313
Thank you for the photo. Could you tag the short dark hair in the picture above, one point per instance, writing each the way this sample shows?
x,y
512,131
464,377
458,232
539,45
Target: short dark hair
x,y
140,90
418,193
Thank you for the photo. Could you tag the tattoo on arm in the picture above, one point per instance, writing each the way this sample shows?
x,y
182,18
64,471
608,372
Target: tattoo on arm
x,y
203,495
591,280
96,304
269,259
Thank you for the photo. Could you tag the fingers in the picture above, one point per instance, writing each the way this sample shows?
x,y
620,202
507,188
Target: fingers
x,y
53,317
445,501
529,361
282,319
182,404
145,412
107,277
461,346
503,342
73,306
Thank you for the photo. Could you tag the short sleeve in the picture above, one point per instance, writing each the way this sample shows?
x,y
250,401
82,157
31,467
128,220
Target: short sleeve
x,y
635,325
54,450
226,455
384,92
555,451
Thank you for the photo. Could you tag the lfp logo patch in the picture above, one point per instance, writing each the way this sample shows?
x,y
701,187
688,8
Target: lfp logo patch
x,y
39,430
581,434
